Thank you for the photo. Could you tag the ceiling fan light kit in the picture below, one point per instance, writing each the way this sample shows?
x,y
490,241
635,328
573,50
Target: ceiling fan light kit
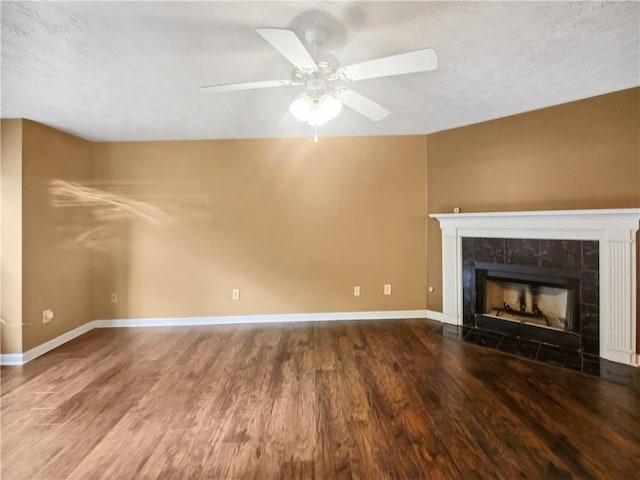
x,y
325,93
315,107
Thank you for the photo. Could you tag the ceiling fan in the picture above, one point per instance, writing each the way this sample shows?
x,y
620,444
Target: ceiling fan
x,y
325,79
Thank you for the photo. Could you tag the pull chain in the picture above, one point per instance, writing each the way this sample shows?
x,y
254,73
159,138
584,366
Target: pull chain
x,y
315,135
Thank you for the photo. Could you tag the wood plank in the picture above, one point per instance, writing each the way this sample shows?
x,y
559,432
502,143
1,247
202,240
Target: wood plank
x,y
346,400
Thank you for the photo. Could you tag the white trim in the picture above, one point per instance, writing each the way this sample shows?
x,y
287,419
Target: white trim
x,y
440,317
266,318
615,229
22,358
56,342
11,359
585,214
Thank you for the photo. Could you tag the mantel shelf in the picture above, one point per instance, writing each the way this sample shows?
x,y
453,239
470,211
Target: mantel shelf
x,y
616,212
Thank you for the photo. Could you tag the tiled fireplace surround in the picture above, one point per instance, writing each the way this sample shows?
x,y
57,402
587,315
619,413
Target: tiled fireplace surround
x,y
599,244
577,256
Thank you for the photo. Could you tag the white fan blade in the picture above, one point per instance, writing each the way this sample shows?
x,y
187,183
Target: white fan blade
x,y
234,87
411,62
363,105
289,45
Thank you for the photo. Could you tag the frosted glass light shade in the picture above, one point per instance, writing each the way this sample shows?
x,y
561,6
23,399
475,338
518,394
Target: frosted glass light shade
x,y
314,110
301,107
316,118
329,105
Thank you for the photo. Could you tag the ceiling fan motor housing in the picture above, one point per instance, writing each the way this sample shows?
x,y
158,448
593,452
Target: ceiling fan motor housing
x,y
316,36
316,84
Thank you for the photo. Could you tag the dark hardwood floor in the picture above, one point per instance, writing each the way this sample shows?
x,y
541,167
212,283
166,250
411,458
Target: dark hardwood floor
x,y
369,400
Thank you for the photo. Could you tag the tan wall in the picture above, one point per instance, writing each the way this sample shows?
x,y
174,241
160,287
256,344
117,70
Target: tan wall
x,y
292,224
56,269
11,244
172,227
584,154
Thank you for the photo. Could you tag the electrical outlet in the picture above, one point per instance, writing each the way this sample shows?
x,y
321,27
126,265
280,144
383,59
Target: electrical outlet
x,y
114,298
47,316
387,289
235,294
356,291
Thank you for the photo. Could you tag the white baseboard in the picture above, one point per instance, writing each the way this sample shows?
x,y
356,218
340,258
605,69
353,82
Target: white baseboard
x,y
22,358
266,318
441,317
11,359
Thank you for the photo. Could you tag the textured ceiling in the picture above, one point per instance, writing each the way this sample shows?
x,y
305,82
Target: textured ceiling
x,y
131,70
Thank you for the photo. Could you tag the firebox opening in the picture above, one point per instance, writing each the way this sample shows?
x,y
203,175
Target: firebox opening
x,y
530,303
523,300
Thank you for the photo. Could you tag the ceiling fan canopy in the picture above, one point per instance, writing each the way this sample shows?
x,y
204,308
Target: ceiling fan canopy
x,y
326,80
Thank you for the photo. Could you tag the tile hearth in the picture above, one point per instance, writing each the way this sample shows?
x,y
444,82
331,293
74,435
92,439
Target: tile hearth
x,y
549,354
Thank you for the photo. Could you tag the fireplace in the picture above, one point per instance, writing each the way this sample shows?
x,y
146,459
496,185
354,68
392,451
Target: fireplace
x,y
602,284
532,289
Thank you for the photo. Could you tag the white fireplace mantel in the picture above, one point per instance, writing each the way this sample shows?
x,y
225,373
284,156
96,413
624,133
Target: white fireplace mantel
x,y
615,229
